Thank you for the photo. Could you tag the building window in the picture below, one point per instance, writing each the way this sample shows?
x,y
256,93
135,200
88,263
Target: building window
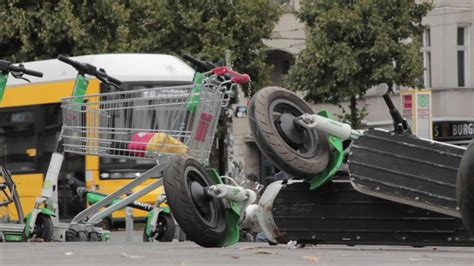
x,y
462,55
426,50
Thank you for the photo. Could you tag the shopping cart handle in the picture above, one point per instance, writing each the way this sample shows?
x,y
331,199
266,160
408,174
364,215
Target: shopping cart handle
x,y
236,76
241,79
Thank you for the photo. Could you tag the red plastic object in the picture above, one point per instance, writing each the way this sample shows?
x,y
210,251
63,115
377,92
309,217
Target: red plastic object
x,y
236,76
203,126
139,142
242,79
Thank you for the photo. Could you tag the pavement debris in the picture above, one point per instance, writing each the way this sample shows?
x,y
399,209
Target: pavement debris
x,y
292,244
264,251
249,248
311,258
125,255
68,253
422,258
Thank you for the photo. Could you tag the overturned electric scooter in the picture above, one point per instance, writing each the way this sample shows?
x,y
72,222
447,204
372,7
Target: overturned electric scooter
x,y
398,189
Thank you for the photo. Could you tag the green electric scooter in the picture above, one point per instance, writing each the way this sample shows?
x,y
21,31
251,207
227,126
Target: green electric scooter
x,y
42,226
47,203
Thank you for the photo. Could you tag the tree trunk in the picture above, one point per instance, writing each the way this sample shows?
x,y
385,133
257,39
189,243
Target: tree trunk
x,y
355,123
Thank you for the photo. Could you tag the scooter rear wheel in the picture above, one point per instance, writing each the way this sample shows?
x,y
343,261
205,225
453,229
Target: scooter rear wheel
x,y
465,188
201,217
298,151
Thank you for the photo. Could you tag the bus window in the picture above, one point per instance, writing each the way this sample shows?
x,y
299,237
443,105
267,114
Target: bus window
x,y
18,139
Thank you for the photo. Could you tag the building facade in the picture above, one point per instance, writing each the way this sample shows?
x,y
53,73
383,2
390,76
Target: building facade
x,y
447,55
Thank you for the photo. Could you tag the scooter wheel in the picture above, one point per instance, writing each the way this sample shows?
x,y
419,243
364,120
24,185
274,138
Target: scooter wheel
x,y
165,229
94,237
301,152
201,217
81,236
44,227
465,188
71,236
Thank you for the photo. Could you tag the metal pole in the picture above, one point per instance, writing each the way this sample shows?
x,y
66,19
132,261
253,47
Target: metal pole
x,y
129,223
228,62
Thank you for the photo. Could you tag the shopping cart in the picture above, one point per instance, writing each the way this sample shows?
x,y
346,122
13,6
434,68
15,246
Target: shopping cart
x,y
153,124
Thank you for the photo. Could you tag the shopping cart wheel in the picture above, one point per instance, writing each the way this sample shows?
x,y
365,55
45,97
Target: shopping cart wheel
x,y
298,151
165,229
465,188
201,217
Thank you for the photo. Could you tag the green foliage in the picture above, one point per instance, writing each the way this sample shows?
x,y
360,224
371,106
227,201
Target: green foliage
x,y
32,30
207,28
353,45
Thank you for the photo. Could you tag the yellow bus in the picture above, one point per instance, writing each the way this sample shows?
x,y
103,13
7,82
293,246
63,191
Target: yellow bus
x,y
30,121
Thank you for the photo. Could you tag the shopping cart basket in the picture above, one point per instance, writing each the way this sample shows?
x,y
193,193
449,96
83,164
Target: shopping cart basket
x,y
152,124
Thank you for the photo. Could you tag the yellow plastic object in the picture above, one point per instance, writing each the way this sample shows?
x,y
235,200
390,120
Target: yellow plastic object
x,y
161,142
31,152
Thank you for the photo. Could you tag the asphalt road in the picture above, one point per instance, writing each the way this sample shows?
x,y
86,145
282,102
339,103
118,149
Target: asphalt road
x,y
118,251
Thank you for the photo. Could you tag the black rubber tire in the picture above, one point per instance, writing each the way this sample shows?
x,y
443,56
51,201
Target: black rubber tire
x,y
82,236
166,229
94,237
71,236
178,178
272,144
465,188
44,227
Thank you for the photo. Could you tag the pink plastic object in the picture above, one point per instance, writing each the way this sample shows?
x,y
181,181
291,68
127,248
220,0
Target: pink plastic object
x,y
139,142
203,126
236,76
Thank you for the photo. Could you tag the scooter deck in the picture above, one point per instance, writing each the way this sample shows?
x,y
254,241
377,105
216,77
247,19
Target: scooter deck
x,y
338,214
406,169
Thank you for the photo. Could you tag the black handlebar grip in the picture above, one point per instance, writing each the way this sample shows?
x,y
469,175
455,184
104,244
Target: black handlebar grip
x,y
102,75
114,80
66,60
33,73
201,65
78,66
22,69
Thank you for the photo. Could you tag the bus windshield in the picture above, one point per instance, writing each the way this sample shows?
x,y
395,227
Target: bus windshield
x,y
18,139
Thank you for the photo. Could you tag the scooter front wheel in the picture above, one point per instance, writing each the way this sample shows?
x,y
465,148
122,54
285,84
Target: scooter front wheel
x,y
301,152
165,229
200,216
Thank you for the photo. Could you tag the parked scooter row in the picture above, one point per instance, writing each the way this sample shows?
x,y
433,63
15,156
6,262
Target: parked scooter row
x,y
42,222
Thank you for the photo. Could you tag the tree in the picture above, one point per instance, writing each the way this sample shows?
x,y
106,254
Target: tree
x,y
33,30
206,28
353,45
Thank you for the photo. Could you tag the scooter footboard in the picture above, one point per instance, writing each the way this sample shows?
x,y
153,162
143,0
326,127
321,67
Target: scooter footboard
x,y
406,169
335,213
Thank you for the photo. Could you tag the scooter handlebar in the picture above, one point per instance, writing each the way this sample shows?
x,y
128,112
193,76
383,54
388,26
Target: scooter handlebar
x,y
90,70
